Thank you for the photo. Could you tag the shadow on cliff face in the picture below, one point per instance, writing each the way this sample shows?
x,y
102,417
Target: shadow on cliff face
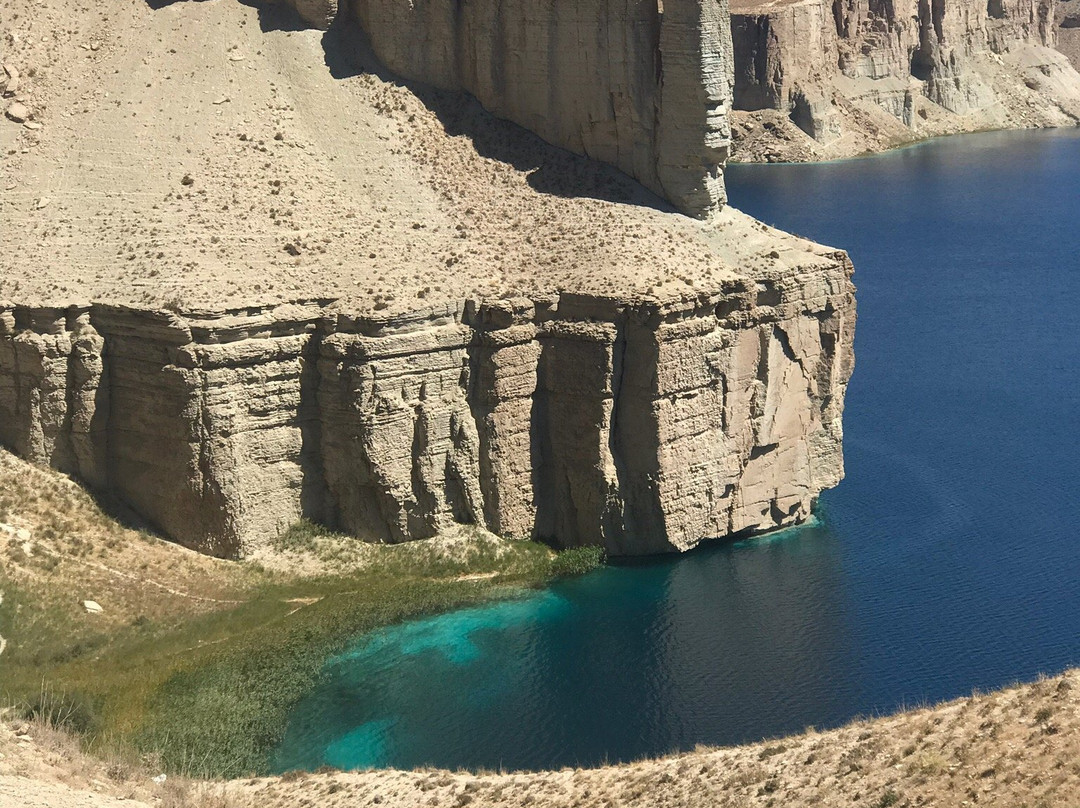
x,y
272,16
550,170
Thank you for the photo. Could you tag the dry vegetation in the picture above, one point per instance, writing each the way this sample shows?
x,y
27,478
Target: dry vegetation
x,y
1014,748
163,604
198,661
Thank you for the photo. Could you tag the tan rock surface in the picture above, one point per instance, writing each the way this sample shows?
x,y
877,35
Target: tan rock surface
x,y
389,197
1068,31
817,80
270,283
644,423
619,81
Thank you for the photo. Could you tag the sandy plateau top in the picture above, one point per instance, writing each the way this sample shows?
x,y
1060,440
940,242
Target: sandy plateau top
x,y
763,6
206,155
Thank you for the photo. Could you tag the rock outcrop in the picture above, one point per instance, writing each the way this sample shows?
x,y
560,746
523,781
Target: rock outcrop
x,y
644,86
1068,30
341,298
318,14
817,79
643,425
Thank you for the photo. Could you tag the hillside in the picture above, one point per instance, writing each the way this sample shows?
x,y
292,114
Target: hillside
x,y
1012,748
216,155
1016,747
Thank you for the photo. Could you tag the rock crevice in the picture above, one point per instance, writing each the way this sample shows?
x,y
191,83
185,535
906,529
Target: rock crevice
x,y
830,78
640,425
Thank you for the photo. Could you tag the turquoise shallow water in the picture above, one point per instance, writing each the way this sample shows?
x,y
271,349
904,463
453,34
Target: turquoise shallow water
x,y
947,560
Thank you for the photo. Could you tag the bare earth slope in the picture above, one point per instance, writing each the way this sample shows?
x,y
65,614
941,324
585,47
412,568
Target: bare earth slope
x,y
184,155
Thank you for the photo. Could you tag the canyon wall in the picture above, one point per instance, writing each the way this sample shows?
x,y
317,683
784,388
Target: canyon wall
x,y
644,426
644,88
1068,30
821,78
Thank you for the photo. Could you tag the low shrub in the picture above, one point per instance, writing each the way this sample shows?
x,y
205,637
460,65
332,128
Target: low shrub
x,y
578,561
67,710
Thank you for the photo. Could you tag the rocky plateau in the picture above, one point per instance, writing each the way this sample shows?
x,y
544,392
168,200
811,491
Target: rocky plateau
x,y
251,276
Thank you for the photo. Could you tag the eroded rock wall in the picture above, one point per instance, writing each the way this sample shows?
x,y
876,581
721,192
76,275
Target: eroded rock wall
x,y
853,75
639,425
645,90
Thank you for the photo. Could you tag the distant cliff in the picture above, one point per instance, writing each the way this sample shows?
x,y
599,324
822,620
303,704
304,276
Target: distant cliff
x,y
818,79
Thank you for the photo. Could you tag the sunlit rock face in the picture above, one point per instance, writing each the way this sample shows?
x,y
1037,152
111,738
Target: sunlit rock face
x,y
642,85
644,425
636,379
854,75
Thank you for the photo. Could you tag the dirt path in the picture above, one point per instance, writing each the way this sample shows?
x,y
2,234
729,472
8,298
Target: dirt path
x,y
24,792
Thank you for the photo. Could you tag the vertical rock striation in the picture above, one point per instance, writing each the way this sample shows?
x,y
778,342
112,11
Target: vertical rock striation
x,y
858,74
645,89
639,424
686,385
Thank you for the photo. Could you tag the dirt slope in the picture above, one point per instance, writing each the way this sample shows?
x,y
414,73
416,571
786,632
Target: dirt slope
x,y
204,154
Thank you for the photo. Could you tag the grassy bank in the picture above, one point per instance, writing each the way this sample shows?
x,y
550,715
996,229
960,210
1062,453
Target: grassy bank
x,y
196,662
1014,748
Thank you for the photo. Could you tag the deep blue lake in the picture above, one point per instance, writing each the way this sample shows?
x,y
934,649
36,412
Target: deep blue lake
x,y
948,560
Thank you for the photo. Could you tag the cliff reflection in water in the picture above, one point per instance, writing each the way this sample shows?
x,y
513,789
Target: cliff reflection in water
x,y
622,663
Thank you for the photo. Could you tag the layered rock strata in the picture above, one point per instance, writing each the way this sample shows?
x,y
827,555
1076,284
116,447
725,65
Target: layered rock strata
x,y
826,79
642,425
332,296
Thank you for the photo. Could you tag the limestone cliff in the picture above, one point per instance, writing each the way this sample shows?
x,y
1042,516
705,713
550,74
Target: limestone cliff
x,y
646,425
817,79
644,86
335,296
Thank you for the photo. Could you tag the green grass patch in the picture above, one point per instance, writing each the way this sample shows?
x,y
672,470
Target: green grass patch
x,y
209,694
578,561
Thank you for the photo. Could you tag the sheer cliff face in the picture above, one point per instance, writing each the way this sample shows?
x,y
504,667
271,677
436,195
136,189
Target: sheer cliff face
x,y
445,336
832,68
644,85
644,426
645,90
